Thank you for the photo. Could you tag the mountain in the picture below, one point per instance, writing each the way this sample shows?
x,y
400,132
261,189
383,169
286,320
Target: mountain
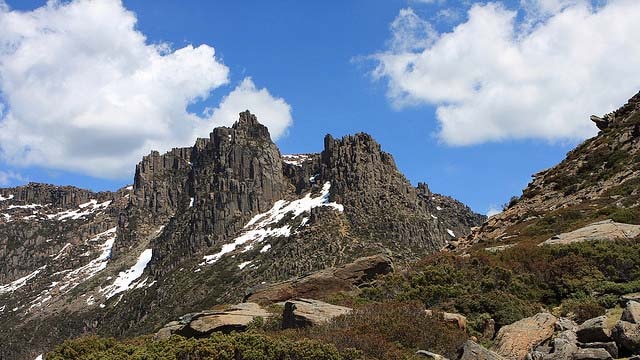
x,y
598,180
198,227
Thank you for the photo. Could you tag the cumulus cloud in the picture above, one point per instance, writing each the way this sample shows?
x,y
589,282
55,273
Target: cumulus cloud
x,y
493,77
8,177
84,90
274,113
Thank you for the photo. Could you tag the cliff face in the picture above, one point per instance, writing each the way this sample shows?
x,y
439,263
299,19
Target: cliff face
x,y
199,226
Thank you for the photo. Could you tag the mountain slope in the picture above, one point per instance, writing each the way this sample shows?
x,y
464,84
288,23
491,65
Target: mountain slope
x,y
198,227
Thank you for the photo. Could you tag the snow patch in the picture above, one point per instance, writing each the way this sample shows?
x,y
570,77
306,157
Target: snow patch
x,y
451,233
29,206
84,210
191,202
39,357
17,284
433,216
295,159
61,252
86,272
265,248
262,225
9,197
125,279
438,208
244,264
130,187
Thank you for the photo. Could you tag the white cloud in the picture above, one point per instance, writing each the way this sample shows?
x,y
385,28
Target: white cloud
x,y
492,78
493,210
8,177
274,113
83,90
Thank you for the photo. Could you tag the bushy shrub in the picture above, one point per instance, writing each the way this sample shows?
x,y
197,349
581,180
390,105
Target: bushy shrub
x,y
391,330
244,346
582,309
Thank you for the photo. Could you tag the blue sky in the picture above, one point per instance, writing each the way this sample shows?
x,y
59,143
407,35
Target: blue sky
x,y
334,63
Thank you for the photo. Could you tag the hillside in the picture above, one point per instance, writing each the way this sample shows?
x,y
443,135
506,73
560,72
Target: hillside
x,y
198,227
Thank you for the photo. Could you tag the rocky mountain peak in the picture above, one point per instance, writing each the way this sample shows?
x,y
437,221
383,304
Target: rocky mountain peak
x,y
249,125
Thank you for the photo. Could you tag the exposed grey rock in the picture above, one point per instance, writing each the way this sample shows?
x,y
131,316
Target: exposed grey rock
x,y
627,337
610,347
592,354
325,282
516,340
430,355
233,318
300,313
565,324
631,312
594,330
601,230
474,351
601,123
564,345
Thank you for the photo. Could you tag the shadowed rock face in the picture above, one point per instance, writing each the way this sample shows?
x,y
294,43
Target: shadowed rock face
x,y
209,201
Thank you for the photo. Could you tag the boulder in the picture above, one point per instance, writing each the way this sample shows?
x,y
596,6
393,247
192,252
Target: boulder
x,y
202,324
516,340
627,336
324,283
631,312
564,345
566,324
474,351
624,299
594,330
300,313
459,320
430,355
610,347
592,354
601,230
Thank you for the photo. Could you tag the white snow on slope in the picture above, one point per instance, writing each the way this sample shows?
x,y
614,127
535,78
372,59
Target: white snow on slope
x,y
29,206
262,225
61,252
191,202
83,210
39,357
125,279
86,272
296,159
17,284
451,233
9,197
265,248
242,266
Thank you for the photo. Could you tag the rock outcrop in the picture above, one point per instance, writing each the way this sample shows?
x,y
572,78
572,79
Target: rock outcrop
x,y
601,230
299,313
516,340
473,351
324,283
202,324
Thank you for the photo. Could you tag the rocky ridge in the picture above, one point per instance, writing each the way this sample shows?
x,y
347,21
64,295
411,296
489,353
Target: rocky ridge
x,y
210,221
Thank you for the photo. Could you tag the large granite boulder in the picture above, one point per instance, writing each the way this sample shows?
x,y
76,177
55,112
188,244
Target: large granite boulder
x,y
300,313
594,330
627,337
602,230
592,354
324,283
202,324
631,312
516,340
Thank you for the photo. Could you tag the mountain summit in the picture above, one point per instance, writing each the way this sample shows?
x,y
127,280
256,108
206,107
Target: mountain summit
x,y
199,226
